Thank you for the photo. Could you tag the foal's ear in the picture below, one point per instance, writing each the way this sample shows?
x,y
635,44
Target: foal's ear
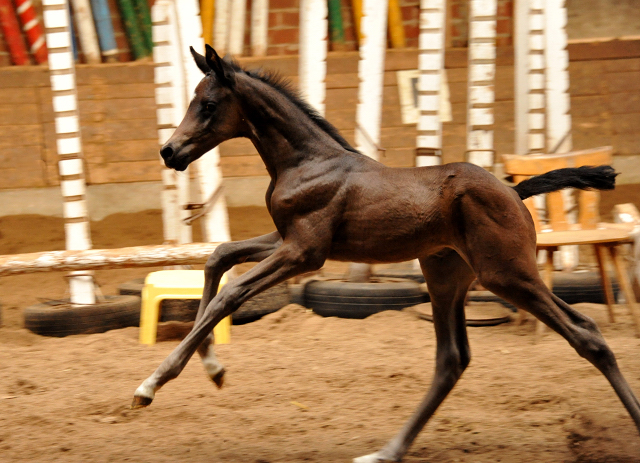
x,y
200,60
223,71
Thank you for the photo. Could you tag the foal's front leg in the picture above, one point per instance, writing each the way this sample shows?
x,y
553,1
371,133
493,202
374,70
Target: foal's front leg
x,y
223,259
287,261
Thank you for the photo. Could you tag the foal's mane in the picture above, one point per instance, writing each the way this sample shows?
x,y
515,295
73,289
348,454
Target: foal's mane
x,y
285,87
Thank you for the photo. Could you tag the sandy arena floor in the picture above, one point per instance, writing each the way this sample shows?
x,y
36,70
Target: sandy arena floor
x,y
300,388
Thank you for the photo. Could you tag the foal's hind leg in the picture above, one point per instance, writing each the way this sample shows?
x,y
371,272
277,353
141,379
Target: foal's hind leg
x,y
224,258
448,278
523,287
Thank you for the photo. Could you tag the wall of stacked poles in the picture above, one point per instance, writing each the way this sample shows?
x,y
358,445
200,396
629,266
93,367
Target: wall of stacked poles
x,y
94,38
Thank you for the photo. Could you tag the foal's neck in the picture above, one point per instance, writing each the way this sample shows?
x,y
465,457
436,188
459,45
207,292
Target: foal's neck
x,y
284,135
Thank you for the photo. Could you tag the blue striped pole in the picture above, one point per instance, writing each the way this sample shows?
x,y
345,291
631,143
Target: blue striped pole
x,y
102,18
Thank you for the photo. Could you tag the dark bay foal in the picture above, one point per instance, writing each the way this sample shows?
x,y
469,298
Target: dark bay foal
x,y
328,201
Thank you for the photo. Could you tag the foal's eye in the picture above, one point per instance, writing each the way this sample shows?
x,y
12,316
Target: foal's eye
x,y
209,107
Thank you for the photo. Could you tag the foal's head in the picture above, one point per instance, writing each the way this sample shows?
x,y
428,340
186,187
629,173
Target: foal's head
x,y
214,115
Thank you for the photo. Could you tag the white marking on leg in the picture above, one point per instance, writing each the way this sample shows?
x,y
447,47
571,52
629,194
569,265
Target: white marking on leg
x,y
371,458
211,364
146,390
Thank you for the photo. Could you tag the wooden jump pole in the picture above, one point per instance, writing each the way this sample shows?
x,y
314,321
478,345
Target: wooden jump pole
x,y
212,206
69,146
32,29
371,75
101,259
106,37
259,27
86,31
430,69
11,32
312,69
481,80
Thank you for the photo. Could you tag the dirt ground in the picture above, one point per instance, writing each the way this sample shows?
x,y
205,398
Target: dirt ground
x,y
300,388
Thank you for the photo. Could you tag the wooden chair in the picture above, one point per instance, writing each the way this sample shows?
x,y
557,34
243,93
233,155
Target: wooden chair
x,y
557,230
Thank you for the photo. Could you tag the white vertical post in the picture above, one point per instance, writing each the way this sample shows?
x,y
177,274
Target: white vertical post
x,y
521,85
259,27
536,67
557,77
86,30
430,67
237,23
69,145
221,26
313,52
482,67
558,104
373,46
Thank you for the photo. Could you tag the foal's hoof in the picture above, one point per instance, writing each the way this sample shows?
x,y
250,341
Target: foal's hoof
x,y
374,458
140,402
218,378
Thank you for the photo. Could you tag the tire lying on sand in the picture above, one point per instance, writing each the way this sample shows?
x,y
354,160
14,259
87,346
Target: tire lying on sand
x,y
184,310
61,318
341,298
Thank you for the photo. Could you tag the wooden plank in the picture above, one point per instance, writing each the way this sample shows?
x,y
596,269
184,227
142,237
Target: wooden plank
x,y
118,109
18,114
20,135
539,164
601,50
21,157
137,129
620,103
243,166
622,82
237,147
120,151
625,123
24,76
106,92
119,172
22,95
627,143
32,177
621,65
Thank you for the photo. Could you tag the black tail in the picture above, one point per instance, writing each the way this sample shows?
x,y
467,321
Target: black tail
x,y
584,178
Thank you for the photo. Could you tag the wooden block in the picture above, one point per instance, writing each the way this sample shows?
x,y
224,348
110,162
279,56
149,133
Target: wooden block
x,y
243,166
623,82
20,135
622,103
625,123
22,178
237,147
119,172
115,73
117,109
107,92
18,114
119,151
108,131
28,157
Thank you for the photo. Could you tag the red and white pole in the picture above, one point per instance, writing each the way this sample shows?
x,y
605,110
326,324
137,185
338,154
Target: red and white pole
x,y
32,29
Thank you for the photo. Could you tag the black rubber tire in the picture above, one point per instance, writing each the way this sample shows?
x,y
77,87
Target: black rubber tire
x,y
340,298
184,310
65,319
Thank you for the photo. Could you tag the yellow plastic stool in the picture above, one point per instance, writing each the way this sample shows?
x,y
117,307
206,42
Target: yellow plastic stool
x,y
174,284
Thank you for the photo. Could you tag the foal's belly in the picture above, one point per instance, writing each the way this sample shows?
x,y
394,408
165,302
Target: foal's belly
x,y
395,229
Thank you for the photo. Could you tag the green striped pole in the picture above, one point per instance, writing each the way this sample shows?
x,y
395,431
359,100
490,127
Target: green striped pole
x,y
136,39
336,29
143,15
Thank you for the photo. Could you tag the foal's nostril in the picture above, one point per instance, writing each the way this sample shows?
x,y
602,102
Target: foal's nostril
x,y
166,152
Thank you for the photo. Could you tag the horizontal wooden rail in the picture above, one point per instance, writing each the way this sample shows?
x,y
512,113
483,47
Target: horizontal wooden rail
x,y
97,259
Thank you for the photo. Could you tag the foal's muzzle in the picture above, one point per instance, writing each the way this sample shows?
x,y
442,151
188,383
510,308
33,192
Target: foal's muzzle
x,y
171,158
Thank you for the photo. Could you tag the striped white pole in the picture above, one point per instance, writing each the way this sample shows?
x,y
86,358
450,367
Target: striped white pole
x,y
215,222
313,52
373,28
557,77
482,67
536,70
221,26
259,27
558,107
430,67
168,95
521,71
86,31
237,23
67,122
